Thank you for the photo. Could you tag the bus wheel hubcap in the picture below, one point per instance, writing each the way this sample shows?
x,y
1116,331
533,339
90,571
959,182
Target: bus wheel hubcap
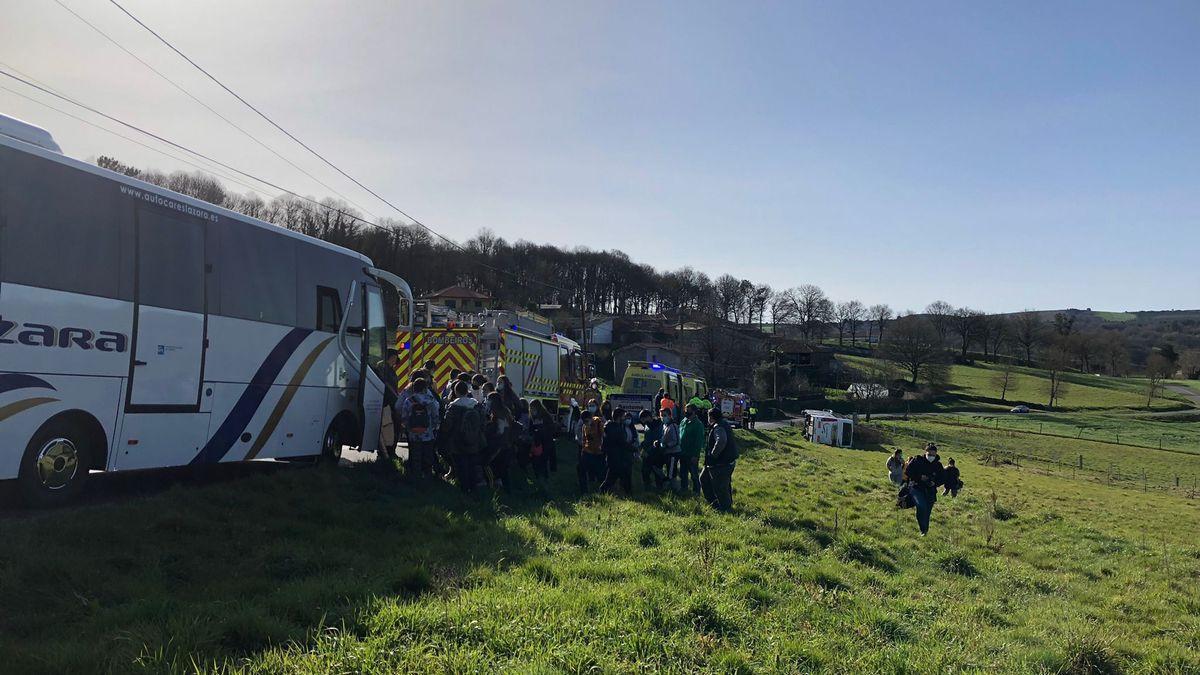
x,y
57,463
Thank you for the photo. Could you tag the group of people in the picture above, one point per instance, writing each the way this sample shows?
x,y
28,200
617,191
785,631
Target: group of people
x,y
919,479
475,432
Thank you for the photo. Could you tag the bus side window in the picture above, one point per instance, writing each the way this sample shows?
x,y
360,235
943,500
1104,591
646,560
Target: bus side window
x,y
329,309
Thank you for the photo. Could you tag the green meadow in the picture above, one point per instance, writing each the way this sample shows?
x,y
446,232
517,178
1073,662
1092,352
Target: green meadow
x,y
353,570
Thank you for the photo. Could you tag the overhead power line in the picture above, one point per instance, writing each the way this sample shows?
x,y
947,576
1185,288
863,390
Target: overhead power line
x,y
263,181
209,108
147,146
318,155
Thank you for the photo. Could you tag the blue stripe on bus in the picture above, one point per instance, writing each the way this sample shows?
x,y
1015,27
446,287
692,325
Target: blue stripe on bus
x,y
13,381
247,405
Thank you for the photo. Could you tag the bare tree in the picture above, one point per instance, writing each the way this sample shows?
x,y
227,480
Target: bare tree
x,y
877,317
994,333
1158,368
729,296
912,344
1056,361
1003,378
759,297
815,310
940,313
1189,363
848,315
966,323
784,308
1028,333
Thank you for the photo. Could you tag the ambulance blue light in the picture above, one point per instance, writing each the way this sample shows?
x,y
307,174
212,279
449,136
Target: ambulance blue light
x,y
406,345
656,366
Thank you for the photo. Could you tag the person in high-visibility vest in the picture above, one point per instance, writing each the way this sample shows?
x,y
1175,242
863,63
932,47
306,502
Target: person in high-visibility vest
x,y
751,417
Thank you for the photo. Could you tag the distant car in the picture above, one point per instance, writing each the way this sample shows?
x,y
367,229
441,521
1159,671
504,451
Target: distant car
x,y
1020,409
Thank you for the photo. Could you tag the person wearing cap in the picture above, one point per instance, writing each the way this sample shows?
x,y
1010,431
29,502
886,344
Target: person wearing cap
x,y
924,474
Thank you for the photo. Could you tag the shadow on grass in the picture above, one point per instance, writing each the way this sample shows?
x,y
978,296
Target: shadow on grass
x,y
157,569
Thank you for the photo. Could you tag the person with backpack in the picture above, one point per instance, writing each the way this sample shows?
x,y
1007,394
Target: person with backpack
x,y
462,436
923,475
499,431
950,482
419,413
691,445
542,452
653,459
669,446
620,446
592,466
720,458
523,442
895,467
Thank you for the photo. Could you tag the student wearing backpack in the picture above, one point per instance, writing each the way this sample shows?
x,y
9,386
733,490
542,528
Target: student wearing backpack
x,y
620,446
419,412
653,459
950,481
499,432
541,431
462,436
720,458
591,467
691,445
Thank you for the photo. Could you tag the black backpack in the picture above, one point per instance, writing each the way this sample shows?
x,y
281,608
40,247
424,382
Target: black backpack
x,y
469,434
418,418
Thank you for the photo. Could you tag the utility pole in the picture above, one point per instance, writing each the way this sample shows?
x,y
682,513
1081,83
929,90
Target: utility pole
x,y
775,375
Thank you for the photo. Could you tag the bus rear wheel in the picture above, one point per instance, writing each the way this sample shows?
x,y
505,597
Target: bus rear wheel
x,y
54,468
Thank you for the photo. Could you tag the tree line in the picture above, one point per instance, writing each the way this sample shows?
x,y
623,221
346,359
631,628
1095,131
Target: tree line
x,y
526,274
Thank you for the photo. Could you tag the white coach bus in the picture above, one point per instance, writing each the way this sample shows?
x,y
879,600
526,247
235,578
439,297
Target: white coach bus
x,y
140,328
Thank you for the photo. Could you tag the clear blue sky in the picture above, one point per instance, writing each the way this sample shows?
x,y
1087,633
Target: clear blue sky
x,y
1002,156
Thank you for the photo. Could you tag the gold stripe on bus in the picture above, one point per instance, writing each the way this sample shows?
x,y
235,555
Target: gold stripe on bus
x,y
286,399
23,405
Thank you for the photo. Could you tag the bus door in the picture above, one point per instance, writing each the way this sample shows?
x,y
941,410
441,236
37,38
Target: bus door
x,y
363,346
169,322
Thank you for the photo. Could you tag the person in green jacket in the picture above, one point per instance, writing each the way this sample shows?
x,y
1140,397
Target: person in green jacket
x,y
691,444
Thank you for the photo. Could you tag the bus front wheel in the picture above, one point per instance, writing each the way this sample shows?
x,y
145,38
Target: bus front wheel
x,y
55,466
331,445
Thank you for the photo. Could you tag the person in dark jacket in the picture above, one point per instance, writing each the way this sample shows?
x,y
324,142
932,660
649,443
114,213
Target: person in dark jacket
x,y
541,434
720,458
507,393
653,460
924,474
657,405
462,436
499,431
691,446
950,483
620,445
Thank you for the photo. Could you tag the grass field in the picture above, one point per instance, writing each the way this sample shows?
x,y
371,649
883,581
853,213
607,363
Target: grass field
x,y
1116,317
1105,462
319,571
1083,391
1173,431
